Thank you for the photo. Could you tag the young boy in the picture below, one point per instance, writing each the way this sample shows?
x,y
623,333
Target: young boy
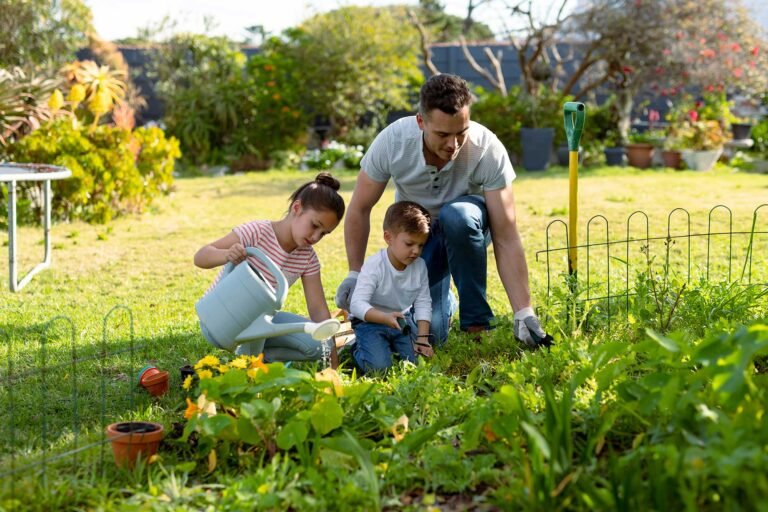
x,y
391,282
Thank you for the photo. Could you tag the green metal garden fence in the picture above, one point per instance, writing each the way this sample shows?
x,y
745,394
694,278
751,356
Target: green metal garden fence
x,y
622,260
58,395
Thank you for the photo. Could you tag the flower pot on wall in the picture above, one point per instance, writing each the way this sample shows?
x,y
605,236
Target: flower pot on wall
x,y
614,156
671,158
740,131
133,439
640,155
701,160
537,147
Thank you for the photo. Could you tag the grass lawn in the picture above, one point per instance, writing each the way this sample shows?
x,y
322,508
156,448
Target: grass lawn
x,y
145,264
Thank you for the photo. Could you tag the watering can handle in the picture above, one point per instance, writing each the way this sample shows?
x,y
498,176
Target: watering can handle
x,y
573,114
282,284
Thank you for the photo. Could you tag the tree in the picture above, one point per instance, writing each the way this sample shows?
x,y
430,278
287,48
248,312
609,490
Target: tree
x,y
357,63
42,33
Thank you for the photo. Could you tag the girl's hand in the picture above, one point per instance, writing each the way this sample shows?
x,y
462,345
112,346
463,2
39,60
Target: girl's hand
x,y
236,253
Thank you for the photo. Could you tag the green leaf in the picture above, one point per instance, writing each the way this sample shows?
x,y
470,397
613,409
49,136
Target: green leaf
x,y
247,431
216,426
293,433
537,440
665,342
327,415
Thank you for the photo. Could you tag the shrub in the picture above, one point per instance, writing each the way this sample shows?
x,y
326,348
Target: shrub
x,y
505,115
114,170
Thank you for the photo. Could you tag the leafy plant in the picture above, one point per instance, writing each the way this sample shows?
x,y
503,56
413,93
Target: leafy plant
x,y
113,170
23,103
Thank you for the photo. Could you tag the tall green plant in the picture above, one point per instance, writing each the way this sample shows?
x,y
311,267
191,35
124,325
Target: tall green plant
x,y
356,63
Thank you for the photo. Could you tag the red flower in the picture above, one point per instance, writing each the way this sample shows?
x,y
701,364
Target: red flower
x,y
736,47
755,51
710,88
693,116
627,70
707,53
737,72
653,116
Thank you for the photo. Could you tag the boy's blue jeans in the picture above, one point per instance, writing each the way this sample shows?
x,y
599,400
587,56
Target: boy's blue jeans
x,y
376,343
457,248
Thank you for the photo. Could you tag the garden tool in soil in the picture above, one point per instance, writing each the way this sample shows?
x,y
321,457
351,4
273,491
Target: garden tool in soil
x,y
240,307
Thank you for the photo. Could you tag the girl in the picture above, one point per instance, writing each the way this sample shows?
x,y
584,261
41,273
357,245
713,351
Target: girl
x,y
316,208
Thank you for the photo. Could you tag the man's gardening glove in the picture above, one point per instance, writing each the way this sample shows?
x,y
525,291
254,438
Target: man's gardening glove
x,y
529,331
345,289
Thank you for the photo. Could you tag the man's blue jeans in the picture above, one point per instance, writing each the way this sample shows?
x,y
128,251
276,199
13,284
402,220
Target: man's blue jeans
x,y
376,343
457,248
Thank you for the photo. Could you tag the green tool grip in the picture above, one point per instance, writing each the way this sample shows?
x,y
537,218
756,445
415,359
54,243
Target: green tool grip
x,y
574,114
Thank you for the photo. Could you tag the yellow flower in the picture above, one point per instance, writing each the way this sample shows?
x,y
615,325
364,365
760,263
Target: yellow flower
x,y
399,428
252,373
56,101
191,409
209,361
223,368
258,363
76,94
187,382
205,374
239,363
332,376
263,489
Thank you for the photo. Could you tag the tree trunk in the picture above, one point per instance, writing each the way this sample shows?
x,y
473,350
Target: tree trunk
x,y
624,104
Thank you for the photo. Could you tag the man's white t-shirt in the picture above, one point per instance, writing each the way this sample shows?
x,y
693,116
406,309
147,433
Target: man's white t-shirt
x,y
380,285
398,153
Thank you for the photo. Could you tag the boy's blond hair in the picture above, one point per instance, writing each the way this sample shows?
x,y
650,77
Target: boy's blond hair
x,y
407,217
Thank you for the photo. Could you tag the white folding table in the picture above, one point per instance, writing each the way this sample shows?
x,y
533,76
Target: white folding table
x,y
10,173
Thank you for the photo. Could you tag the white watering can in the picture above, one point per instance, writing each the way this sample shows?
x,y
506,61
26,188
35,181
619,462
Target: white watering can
x,y
241,306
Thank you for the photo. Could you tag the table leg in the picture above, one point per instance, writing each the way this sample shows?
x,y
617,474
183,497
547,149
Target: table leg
x,y
12,233
12,261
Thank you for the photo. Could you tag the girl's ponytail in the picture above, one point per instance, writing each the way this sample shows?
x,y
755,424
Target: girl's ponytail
x,y
321,194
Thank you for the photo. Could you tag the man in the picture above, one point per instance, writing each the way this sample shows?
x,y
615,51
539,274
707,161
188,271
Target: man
x,y
461,173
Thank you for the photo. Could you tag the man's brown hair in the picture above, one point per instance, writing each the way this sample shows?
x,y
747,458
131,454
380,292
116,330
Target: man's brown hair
x,y
407,217
449,93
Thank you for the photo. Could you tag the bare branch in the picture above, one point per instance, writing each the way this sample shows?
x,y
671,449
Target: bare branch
x,y
495,63
426,50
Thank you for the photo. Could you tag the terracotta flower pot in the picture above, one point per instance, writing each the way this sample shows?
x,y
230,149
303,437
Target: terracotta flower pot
x,y
133,439
153,380
640,155
671,158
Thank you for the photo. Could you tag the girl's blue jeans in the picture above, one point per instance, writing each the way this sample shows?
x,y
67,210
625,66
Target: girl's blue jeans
x,y
456,248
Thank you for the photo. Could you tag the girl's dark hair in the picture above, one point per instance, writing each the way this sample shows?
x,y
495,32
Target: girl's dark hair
x,y
321,194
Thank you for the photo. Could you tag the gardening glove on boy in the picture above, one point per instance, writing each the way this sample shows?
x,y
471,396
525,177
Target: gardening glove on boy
x,y
345,289
528,329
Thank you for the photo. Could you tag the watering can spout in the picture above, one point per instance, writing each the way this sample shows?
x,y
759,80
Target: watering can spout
x,y
263,327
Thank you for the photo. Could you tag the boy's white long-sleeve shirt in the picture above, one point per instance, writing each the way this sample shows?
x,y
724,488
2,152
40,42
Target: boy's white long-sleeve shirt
x,y
380,285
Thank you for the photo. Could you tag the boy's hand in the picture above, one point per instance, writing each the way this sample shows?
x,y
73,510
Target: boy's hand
x,y
236,254
422,346
391,320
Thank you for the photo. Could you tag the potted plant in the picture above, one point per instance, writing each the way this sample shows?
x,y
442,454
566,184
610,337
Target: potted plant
x,y
641,147
671,155
614,149
542,112
133,439
741,128
702,143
